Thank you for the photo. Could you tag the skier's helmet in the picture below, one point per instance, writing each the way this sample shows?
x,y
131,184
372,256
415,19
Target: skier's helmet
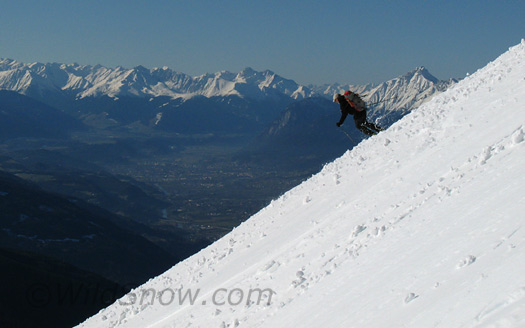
x,y
348,92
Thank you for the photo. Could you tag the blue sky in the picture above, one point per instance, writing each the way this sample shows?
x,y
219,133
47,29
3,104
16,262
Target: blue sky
x,y
307,41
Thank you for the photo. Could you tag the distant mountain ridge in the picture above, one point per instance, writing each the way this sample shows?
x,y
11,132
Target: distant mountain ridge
x,y
80,81
92,81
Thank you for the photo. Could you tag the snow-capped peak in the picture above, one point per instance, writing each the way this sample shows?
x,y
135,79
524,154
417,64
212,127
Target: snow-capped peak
x,y
421,72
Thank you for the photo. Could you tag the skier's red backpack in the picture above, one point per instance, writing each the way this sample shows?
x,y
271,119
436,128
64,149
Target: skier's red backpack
x,y
355,100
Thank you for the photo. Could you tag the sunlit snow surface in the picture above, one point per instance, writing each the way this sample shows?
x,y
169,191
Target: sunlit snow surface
x,y
420,226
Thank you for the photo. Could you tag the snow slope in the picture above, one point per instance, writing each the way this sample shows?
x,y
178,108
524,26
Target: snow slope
x,y
420,226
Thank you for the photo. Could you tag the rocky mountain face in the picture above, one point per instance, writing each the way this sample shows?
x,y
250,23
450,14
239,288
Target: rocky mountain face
x,y
395,98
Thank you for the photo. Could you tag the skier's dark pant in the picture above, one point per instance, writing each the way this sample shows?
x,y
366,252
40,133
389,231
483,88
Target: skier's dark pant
x,y
363,125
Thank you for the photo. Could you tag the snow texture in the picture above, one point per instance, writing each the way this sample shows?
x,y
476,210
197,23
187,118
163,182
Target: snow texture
x,y
419,226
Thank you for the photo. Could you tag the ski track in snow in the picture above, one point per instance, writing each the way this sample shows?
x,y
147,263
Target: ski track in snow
x,y
420,226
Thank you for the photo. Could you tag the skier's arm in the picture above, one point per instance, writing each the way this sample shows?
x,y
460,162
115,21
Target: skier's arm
x,y
344,114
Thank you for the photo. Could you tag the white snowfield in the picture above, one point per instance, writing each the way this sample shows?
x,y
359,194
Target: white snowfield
x,y
420,226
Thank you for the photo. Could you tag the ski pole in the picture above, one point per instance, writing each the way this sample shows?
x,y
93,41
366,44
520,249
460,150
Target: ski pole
x,y
348,136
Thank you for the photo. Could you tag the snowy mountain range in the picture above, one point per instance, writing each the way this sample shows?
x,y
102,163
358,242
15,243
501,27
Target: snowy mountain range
x,y
92,81
37,79
419,226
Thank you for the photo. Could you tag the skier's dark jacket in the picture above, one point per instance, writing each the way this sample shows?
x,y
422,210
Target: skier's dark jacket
x,y
346,109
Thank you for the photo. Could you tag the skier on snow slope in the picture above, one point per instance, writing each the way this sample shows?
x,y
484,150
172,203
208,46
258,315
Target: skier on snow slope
x,y
351,103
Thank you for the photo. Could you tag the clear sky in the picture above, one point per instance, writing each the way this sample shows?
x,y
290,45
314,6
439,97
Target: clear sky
x,y
308,41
